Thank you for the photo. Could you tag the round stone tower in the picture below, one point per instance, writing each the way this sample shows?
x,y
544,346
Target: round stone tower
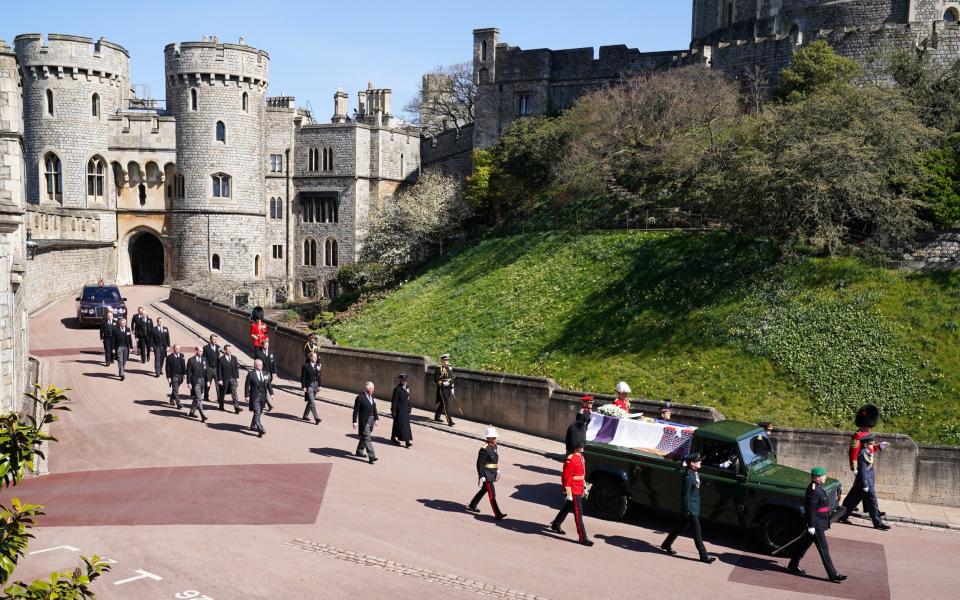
x,y
216,91
71,85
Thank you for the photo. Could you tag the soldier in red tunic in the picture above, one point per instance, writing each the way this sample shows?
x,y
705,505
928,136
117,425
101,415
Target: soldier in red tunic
x,y
574,472
258,329
866,419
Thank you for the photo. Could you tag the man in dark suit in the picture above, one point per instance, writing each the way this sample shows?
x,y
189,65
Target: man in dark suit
x,y
106,336
122,341
255,392
141,324
269,368
228,374
196,377
365,415
310,382
818,522
160,340
211,354
690,510
176,369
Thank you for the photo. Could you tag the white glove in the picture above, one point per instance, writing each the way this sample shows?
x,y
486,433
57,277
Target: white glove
x,y
884,445
811,531
569,497
446,384
482,480
866,488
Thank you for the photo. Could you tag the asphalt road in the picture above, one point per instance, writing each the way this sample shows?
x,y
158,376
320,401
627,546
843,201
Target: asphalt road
x,y
191,510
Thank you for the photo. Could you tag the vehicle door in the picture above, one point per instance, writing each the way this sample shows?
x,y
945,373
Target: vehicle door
x,y
721,486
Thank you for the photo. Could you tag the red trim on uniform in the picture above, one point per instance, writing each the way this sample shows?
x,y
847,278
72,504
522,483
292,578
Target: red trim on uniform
x,y
577,518
489,485
823,509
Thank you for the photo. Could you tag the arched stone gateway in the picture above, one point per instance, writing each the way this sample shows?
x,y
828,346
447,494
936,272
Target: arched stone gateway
x,y
146,259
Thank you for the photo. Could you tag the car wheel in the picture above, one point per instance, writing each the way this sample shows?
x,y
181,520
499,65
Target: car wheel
x,y
777,528
608,499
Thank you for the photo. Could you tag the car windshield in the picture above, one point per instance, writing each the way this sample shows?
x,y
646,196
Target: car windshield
x,y
101,294
755,448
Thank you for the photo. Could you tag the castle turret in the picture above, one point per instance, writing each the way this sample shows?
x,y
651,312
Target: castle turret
x,y
70,86
339,107
216,91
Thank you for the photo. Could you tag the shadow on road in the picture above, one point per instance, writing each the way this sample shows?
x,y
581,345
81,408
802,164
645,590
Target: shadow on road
x,y
235,427
630,544
444,505
544,494
98,363
336,453
102,375
538,469
72,323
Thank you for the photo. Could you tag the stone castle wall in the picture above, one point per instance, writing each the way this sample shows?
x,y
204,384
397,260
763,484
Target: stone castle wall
x,y
61,269
450,152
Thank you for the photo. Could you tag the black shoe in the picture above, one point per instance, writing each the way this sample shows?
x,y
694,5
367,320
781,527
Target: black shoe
x,y
437,419
190,415
409,444
882,527
450,423
882,514
500,517
360,454
473,509
587,543
179,407
395,442
373,459
844,520
556,529
796,571
838,578
236,410
317,422
123,377
259,434
203,419
668,550
708,559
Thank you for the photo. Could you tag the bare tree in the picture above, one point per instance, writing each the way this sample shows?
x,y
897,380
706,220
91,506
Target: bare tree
x,y
445,99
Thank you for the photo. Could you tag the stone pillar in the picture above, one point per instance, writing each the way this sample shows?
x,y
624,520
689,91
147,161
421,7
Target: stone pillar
x,y
339,107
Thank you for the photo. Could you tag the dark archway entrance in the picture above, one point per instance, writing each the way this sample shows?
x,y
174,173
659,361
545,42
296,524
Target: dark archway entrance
x,y
146,259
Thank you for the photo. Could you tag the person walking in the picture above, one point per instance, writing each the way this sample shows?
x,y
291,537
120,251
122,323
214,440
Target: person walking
x,y
400,408
258,329
122,342
160,339
488,472
865,483
196,377
310,382
141,324
574,473
106,336
690,510
228,376
175,368
818,522
211,355
255,393
269,361
364,420
446,400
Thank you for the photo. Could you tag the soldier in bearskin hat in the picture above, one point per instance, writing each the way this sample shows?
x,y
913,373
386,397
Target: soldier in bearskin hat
x,y
862,454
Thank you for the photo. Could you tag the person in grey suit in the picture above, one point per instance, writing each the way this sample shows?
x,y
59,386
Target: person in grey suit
x,y
196,377
255,392
310,382
228,374
122,342
365,413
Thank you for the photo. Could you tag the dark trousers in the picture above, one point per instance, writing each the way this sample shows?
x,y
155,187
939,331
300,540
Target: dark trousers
x,y
856,495
108,351
123,354
685,521
490,491
443,407
229,387
256,406
143,349
159,353
210,376
310,397
575,505
197,393
820,539
175,391
365,431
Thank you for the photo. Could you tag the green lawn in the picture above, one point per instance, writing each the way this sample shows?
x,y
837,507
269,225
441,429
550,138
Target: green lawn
x,y
708,319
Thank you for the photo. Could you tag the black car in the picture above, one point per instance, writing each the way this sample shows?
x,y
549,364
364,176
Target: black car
x,y
94,300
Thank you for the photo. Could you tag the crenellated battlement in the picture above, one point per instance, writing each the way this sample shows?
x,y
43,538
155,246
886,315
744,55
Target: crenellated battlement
x,y
213,62
71,55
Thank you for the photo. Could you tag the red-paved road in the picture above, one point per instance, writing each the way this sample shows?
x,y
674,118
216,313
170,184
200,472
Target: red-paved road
x,y
230,536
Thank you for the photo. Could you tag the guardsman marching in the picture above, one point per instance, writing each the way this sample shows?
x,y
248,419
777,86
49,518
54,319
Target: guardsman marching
x,y
690,510
488,470
865,419
818,522
865,483
576,435
258,329
574,473
446,401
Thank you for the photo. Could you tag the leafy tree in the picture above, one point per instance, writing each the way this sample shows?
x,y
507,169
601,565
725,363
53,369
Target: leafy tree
x,y
939,183
816,67
445,99
21,446
478,182
934,90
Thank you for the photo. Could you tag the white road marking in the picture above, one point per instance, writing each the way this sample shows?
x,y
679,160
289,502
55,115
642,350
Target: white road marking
x,y
142,575
70,548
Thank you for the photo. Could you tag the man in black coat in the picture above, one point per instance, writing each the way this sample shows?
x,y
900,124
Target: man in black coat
x,y
690,510
255,392
141,324
160,340
446,399
175,369
122,342
269,361
228,376
365,415
211,354
106,336
310,382
818,522
196,377
400,407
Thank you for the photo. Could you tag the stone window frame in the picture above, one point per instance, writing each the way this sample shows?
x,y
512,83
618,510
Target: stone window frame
x,y
51,171
221,184
327,164
308,288
309,252
277,251
179,186
331,252
524,103
192,101
313,159
276,208
245,102
134,173
952,9
333,289
216,265
276,163
96,180
50,104
220,132
728,13
257,267
322,208
95,109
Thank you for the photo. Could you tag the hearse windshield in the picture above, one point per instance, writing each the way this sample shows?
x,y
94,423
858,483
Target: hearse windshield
x,y
101,294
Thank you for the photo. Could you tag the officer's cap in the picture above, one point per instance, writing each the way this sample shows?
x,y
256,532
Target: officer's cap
x,y
490,432
694,457
586,400
623,388
402,377
818,472
444,357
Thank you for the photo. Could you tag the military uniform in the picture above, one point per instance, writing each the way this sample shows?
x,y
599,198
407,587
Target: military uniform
x,y
312,346
818,522
574,473
865,483
446,402
488,470
690,513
